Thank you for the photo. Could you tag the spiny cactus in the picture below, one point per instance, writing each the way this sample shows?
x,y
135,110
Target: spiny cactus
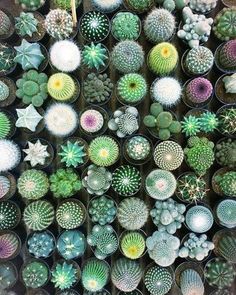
x,y
208,121
9,245
31,5
9,155
95,274
191,283
33,184
4,91
226,247
64,275
26,24
5,185
35,274
127,56
8,274
126,274
41,244
227,183
106,6
159,25
92,121
65,4
163,58
5,125
7,56
227,55
198,90
139,6
158,280
199,219
227,121
132,213
225,153
9,214
36,153
226,213
73,154
138,148
191,125
132,244
5,23
95,56
224,21
38,215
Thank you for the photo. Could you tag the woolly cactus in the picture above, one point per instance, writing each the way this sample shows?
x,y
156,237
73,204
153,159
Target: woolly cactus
x,y
104,241
73,154
33,184
4,91
139,6
64,275
160,184
126,180
31,4
9,155
198,90
68,62
224,27
9,245
29,55
41,244
5,23
168,155
95,274
26,24
203,5
91,121
132,244
138,148
70,214
163,58
191,282
132,213
10,215
199,60
129,32
158,280
103,151
102,210
28,118
5,185
227,55
159,25
106,6
61,119
163,248
199,154
61,87
8,274
127,56
226,213
227,183
38,215
95,56
225,153
5,125
7,56
65,4
199,219
36,153
35,274
227,121
229,83
126,274
168,215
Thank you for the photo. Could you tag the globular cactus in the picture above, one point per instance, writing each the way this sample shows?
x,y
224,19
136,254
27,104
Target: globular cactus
x,y
9,155
208,122
227,121
163,58
5,186
9,245
227,55
31,5
95,56
5,23
7,55
225,153
226,213
191,125
224,21
159,25
106,6
5,125
10,215
64,275
158,280
138,148
61,87
4,91
226,247
229,83
139,6
132,244
35,274
227,183
202,6
191,283
126,274
41,244
8,274
65,4
26,24
198,90
91,121
73,154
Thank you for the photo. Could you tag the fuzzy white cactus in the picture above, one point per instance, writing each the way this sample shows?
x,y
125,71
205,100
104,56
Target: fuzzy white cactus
x,y
166,91
10,155
106,5
61,119
65,55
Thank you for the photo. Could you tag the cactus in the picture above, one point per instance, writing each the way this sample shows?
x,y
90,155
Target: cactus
x,y
199,219
225,153
31,4
4,91
7,56
104,241
91,121
199,60
5,23
227,183
168,155
28,118
129,32
132,213
159,25
33,184
126,180
97,180
65,183
191,125
35,274
73,154
64,275
191,283
127,56
71,244
124,121
61,119
97,88
95,56
220,273
95,274
203,6
227,55
198,90
5,125
94,26
163,217
68,62
160,184
106,6
70,214
126,274
29,55
65,4
158,280
229,84
9,245
199,154
163,248
208,122
138,148
226,213
224,21
26,24
227,121
38,215
132,244
102,210
36,153
132,88
5,186
41,244
103,151
163,58
139,6
8,276
227,246
9,155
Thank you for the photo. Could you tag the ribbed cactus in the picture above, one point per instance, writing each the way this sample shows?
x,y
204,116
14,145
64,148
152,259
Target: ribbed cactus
x,y
224,24
35,274
65,4
159,25
138,148
61,87
227,247
227,55
5,125
9,215
227,183
191,283
64,275
10,155
95,56
9,245
126,274
31,4
225,153
198,90
208,121
199,219
26,24
106,6
4,91
7,55
163,58
132,244
41,244
5,186
5,23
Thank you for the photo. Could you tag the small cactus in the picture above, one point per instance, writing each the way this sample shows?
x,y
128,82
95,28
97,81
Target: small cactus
x,y
198,90
227,55
35,274
9,245
208,122
65,275
41,244
4,91
203,6
227,183
191,283
225,153
7,56
95,56
132,244
26,24
31,5
226,213
10,155
65,4
139,6
196,213
224,21
226,247
9,215
227,121
5,23
5,125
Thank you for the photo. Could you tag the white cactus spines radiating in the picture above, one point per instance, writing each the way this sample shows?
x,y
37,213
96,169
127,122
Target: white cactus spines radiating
x,y
9,155
191,283
106,6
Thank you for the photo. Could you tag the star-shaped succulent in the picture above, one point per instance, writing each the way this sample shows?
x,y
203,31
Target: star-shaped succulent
x,y
28,118
36,153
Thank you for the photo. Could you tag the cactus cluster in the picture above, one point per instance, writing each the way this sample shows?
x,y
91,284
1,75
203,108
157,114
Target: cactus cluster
x,y
227,56
26,24
226,213
35,274
41,244
138,148
36,153
132,244
224,21
95,56
225,153
198,90
202,6
191,282
9,214
227,183
64,275
227,121
73,154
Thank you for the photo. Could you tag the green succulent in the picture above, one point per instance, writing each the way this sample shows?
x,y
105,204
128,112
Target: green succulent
x,y
5,125
35,274
26,24
95,56
72,154
208,121
227,183
64,275
191,125
225,153
9,215
132,244
224,24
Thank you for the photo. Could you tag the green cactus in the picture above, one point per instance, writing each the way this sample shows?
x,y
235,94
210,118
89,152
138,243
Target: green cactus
x,y
139,6
7,55
35,274
224,24
5,23
64,275
33,184
5,125
208,122
95,56
191,282
227,247
163,58
4,91
225,153
138,148
226,213
226,56
227,183
26,24
65,4
227,121
73,154
31,5
132,244
8,274
9,215
191,125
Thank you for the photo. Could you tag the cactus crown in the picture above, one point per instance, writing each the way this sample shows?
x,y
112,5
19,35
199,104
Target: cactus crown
x,y
226,213
72,153
64,275
224,24
61,87
227,56
41,244
191,280
95,56
26,24
196,213
139,6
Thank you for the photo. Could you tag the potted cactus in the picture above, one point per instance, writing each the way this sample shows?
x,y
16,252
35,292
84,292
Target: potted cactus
x,y
7,62
227,120
225,57
225,152
225,89
7,91
222,20
224,182
7,185
7,22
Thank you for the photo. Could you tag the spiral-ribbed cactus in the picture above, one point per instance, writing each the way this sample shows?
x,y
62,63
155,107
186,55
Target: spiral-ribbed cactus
x,y
199,219
5,23
227,55
9,245
191,283
227,247
226,213
133,244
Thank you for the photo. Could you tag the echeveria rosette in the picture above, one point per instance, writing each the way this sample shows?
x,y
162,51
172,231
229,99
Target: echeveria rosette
x,y
64,275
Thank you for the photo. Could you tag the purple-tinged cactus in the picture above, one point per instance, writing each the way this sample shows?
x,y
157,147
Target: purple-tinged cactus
x,y
227,55
9,244
199,90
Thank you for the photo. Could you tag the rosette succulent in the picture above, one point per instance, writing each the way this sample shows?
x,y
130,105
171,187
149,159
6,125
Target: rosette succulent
x,y
64,275
73,153
95,56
